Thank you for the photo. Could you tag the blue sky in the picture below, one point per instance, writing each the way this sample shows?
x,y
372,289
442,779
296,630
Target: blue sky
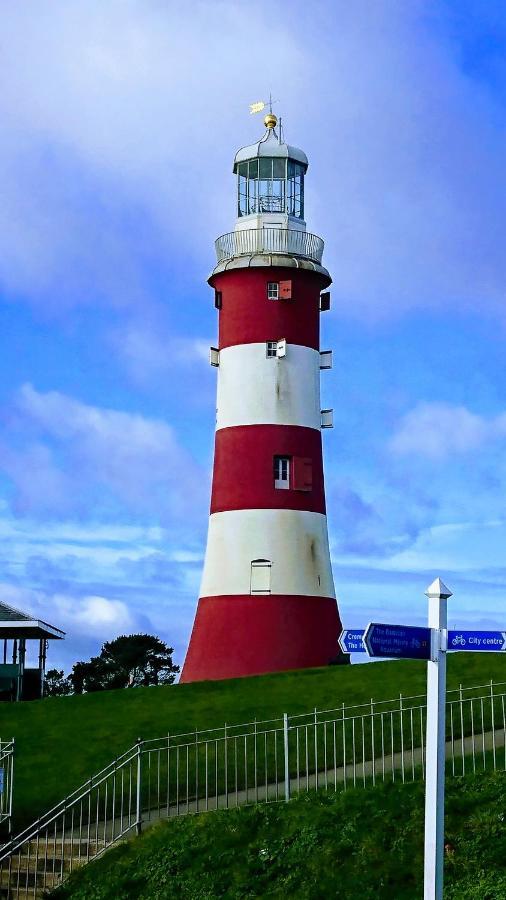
x,y
120,123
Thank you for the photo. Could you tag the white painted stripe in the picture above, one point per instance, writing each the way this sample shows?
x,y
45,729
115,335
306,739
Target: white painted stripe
x,y
256,390
295,542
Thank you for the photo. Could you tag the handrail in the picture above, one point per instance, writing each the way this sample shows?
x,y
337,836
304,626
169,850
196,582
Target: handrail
x,y
286,241
131,787
78,794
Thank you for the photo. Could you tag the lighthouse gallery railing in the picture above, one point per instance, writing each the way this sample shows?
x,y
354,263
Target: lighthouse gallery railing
x,y
269,240
382,740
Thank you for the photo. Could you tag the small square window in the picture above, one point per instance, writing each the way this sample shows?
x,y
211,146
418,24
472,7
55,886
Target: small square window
x,y
272,290
271,349
282,472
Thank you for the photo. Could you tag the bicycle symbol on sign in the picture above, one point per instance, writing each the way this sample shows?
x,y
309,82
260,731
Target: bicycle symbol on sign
x,y
459,640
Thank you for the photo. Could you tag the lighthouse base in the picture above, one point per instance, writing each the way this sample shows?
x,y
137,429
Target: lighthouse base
x,y
235,636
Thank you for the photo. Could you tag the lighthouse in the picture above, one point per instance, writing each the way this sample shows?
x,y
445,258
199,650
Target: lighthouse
x,y
267,600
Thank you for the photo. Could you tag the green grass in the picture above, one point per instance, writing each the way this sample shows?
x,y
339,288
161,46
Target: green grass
x,y
365,843
63,741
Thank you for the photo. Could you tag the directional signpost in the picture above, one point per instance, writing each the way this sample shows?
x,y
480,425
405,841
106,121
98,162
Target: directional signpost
x,y
397,641
352,641
432,643
482,641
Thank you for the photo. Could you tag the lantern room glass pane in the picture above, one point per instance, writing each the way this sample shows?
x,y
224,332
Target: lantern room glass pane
x,y
279,168
265,168
270,185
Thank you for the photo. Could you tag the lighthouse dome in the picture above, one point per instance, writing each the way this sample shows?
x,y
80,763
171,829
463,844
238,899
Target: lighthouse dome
x,y
270,145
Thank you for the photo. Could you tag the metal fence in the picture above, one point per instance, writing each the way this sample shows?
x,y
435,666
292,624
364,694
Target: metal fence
x,y
6,781
253,762
269,240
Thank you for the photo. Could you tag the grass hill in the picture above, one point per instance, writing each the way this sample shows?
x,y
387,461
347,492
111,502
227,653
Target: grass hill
x,y
365,843
62,741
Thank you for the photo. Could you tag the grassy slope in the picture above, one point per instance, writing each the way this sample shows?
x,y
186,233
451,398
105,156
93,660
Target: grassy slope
x,y
63,741
363,843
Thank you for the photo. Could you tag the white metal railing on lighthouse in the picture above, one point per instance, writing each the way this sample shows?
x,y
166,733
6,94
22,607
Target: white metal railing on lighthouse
x,y
269,240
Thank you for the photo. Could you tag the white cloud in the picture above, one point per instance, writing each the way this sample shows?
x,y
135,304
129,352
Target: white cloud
x,y
64,456
89,616
94,616
439,430
120,134
149,353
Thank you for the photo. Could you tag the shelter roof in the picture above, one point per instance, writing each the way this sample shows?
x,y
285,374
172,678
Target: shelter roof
x,y
17,624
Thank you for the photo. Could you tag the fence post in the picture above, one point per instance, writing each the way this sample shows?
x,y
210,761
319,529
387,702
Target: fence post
x,y
402,736
373,749
344,751
287,759
316,747
493,720
11,787
138,822
462,742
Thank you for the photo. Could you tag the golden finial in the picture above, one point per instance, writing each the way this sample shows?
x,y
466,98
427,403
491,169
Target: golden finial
x,y
270,120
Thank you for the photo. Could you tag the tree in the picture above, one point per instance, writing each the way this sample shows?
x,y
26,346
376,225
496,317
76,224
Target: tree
x,y
87,677
55,684
128,661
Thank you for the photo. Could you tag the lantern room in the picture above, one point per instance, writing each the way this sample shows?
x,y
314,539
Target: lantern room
x,y
270,182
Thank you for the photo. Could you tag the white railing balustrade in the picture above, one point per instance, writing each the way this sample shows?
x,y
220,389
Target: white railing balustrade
x,y
269,240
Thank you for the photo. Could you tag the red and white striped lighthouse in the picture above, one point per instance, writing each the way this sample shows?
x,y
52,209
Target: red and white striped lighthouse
x,y
267,599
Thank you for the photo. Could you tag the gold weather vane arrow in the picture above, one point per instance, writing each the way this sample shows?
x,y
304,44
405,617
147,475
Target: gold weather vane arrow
x,y
260,105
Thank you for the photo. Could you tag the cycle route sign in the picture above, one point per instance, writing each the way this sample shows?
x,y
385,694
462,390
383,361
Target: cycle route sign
x,y
481,641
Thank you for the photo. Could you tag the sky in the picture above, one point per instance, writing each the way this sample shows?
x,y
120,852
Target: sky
x,y
120,121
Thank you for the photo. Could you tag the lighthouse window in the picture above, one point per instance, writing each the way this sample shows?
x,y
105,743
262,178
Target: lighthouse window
x,y
270,185
295,190
282,472
271,349
272,290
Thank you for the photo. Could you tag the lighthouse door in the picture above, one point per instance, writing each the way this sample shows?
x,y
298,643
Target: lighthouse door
x,y
260,576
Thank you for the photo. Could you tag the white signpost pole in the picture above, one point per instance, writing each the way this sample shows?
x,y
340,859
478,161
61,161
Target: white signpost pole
x,y
438,594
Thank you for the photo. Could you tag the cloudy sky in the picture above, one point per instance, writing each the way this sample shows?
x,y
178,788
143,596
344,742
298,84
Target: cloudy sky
x,y
120,120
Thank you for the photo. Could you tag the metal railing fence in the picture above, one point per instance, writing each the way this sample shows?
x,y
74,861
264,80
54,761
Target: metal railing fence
x,y
269,240
6,781
253,762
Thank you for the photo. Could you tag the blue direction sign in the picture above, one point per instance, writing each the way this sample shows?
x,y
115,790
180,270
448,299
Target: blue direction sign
x,y
491,641
398,641
352,641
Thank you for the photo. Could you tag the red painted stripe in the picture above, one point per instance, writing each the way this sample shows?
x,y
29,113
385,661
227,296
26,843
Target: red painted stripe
x,y
243,468
234,636
247,315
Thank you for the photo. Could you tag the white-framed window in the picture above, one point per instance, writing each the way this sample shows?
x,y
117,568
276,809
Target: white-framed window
x,y
282,472
272,290
275,349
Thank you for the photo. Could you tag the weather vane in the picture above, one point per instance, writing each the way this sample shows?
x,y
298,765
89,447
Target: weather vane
x,y
261,104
